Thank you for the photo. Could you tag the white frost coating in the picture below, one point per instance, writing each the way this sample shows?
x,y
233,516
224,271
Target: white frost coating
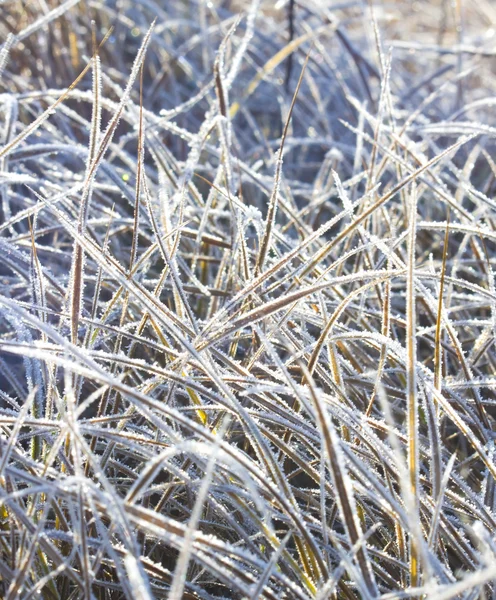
x,y
4,51
137,578
107,467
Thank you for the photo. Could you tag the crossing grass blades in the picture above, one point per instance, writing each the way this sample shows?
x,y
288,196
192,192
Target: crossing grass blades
x,y
247,300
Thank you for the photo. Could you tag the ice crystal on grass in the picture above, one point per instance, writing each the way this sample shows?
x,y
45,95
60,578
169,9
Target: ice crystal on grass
x,y
247,300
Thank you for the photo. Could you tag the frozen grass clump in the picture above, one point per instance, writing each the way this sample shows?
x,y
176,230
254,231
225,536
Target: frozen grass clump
x,y
247,300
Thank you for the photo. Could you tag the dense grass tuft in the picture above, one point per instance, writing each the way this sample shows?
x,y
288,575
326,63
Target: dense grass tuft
x,y
247,299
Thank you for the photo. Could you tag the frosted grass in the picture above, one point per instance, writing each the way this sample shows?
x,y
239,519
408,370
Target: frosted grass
x,y
247,300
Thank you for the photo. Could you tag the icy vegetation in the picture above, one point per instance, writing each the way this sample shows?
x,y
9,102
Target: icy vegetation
x,y
247,299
